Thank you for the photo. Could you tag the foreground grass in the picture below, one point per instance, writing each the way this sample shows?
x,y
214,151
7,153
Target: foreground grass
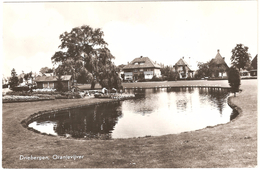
x,y
231,145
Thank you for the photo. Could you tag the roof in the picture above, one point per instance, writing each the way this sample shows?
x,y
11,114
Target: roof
x,y
218,59
21,75
182,62
52,78
147,63
254,62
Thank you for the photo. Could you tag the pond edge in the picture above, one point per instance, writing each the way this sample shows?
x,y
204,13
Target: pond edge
x,y
34,116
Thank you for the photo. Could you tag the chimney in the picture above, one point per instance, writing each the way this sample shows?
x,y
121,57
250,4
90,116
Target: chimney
x,y
218,50
127,62
141,57
182,57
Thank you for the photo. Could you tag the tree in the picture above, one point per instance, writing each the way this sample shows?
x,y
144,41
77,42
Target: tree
x,y
20,80
84,50
169,73
172,76
234,79
204,70
46,70
14,81
240,56
59,72
27,77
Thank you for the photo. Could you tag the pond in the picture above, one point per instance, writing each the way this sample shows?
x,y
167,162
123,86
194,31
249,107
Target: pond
x,y
155,112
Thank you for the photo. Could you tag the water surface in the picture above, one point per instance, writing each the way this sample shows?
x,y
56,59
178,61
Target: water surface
x,y
156,112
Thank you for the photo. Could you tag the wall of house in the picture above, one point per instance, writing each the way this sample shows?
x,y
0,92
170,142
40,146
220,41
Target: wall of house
x,y
181,70
128,75
157,72
253,73
39,85
190,74
148,75
53,85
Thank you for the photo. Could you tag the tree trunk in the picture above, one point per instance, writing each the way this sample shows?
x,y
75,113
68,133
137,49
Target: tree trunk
x,y
93,85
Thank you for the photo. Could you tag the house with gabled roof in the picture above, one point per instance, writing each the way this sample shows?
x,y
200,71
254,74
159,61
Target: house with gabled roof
x,y
183,68
219,66
141,68
253,72
51,82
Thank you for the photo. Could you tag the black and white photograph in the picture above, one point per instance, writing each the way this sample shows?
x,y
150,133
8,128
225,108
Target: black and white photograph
x,y
129,84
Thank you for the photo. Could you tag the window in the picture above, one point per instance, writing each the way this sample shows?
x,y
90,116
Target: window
x,y
141,63
135,63
141,69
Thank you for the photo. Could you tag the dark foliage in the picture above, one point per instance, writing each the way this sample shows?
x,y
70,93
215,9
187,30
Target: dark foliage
x,y
86,56
14,81
234,79
240,56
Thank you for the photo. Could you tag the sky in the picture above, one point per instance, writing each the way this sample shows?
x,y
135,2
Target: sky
x,y
162,31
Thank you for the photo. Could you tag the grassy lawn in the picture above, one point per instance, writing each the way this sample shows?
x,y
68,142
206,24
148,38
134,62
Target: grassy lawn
x,y
231,145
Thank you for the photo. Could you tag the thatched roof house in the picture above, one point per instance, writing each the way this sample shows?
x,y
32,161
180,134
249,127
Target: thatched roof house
x,y
219,66
254,65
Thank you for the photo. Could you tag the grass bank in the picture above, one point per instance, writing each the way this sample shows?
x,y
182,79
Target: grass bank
x,y
231,145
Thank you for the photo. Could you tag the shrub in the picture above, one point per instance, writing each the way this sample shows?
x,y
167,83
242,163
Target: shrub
x,y
156,78
143,80
19,93
23,88
234,79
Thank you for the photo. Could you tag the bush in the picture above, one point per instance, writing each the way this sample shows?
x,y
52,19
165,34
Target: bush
x,y
19,93
143,80
156,78
217,78
234,79
5,86
44,90
22,88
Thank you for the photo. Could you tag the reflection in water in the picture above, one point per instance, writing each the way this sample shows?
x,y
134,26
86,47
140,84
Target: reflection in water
x,y
90,122
156,111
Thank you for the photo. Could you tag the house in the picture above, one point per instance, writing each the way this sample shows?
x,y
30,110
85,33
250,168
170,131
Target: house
x,y
183,68
23,82
253,72
52,82
5,81
142,67
219,66
244,73
21,79
48,74
120,71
